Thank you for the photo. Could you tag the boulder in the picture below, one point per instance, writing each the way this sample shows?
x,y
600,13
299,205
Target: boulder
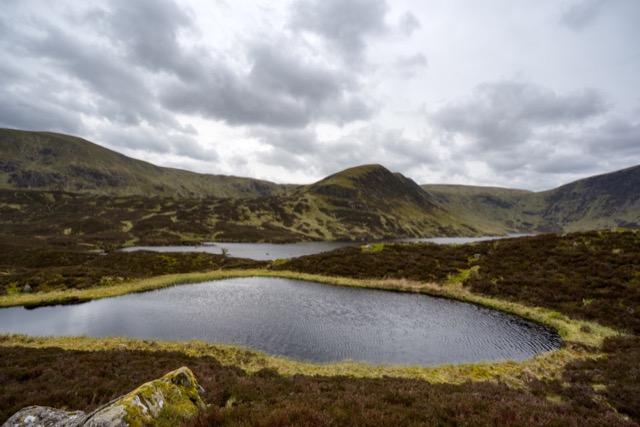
x,y
42,416
177,395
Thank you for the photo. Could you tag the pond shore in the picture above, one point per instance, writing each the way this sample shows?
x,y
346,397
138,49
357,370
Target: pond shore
x,y
581,339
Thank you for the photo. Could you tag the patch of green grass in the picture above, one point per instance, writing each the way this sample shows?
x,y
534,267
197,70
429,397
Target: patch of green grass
x,y
372,247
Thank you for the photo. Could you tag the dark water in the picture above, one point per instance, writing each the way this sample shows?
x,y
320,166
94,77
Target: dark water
x,y
301,320
273,251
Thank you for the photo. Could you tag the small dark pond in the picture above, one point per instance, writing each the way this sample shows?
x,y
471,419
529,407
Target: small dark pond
x,y
302,320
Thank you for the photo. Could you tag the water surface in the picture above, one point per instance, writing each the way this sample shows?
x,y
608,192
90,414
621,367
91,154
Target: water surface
x,y
302,320
273,251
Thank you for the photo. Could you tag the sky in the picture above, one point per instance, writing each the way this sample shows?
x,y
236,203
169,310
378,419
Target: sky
x,y
510,93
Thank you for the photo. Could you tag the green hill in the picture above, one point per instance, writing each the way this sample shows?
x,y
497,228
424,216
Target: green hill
x,y
94,189
51,161
611,200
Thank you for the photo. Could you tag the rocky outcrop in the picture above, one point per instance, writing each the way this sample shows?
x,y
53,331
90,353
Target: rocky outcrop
x,y
177,394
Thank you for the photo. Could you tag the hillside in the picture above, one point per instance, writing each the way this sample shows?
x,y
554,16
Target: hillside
x,y
605,201
372,201
62,184
358,204
50,161
499,210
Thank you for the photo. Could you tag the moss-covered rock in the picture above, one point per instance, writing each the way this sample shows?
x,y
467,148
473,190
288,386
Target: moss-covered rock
x,y
174,397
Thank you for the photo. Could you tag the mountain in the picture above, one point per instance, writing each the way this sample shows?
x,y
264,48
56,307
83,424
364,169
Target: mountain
x,y
497,210
58,185
610,200
51,161
605,201
362,203
370,200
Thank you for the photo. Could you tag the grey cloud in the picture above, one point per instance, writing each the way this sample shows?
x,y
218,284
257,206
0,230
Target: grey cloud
x,y
160,141
409,66
4,29
28,102
279,90
302,150
287,160
505,114
124,96
102,76
189,147
372,144
133,138
344,23
289,75
295,141
299,149
20,113
148,30
412,61
408,23
566,164
130,68
582,14
615,136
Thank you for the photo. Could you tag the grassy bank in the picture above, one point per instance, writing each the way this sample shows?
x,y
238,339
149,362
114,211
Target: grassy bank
x,y
546,366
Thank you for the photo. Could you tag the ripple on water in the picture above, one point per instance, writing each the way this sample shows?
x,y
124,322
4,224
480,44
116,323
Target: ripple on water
x,y
302,320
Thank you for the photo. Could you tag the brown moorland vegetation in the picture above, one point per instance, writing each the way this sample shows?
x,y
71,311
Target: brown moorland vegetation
x,y
84,380
591,276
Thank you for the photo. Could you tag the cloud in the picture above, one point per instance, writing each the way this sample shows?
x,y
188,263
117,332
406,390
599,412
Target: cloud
x,y
295,141
366,144
146,139
615,136
280,89
331,84
523,134
410,66
582,14
132,69
504,115
408,23
345,24
148,31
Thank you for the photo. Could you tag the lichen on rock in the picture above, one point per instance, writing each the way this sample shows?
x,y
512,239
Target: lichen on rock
x,y
176,393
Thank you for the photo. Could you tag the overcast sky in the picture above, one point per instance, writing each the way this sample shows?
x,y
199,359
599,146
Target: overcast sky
x,y
512,93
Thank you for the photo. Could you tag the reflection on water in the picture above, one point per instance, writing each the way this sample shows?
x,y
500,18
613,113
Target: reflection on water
x,y
273,251
303,320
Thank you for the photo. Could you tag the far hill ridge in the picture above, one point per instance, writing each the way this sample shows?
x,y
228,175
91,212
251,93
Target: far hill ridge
x,y
360,203
52,161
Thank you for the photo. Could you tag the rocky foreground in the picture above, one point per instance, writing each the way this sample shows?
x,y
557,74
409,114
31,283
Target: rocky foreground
x,y
175,396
